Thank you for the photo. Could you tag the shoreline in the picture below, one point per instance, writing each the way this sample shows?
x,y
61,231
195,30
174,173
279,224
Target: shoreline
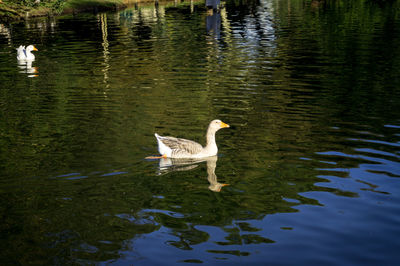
x,y
10,11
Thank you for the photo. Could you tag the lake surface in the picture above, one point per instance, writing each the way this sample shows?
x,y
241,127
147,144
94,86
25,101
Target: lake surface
x,y
311,91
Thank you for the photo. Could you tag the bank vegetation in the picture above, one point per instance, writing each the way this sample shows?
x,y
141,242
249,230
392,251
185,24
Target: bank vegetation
x,y
23,9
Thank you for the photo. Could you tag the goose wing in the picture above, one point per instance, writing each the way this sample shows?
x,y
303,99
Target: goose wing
x,y
21,52
181,145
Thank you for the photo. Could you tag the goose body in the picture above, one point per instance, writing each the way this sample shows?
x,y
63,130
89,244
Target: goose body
x,y
172,147
26,53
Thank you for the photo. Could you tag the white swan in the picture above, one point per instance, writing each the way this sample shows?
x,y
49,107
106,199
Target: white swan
x,y
25,54
170,147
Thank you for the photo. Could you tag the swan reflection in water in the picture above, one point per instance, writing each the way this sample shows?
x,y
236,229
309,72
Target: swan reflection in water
x,y
167,165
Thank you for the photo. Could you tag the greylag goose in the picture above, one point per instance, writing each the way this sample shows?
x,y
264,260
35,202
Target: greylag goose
x,y
25,54
170,147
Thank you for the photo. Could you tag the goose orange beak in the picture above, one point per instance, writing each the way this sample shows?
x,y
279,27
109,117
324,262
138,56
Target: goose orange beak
x,y
224,125
35,49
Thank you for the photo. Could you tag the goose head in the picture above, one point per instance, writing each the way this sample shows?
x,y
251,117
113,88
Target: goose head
x,y
216,125
31,48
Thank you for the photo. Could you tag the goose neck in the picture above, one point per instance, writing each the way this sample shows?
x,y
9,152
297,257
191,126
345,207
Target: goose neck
x,y
211,139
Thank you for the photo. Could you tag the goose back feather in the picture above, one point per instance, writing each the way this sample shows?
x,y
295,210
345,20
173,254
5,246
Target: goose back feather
x,y
177,147
182,148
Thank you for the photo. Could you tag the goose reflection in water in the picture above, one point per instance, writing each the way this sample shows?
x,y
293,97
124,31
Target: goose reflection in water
x,y
167,165
26,67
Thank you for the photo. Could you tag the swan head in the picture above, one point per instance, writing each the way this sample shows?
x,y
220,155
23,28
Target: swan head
x,y
217,125
31,48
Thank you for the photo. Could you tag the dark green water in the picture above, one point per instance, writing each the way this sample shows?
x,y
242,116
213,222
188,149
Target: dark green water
x,y
311,91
